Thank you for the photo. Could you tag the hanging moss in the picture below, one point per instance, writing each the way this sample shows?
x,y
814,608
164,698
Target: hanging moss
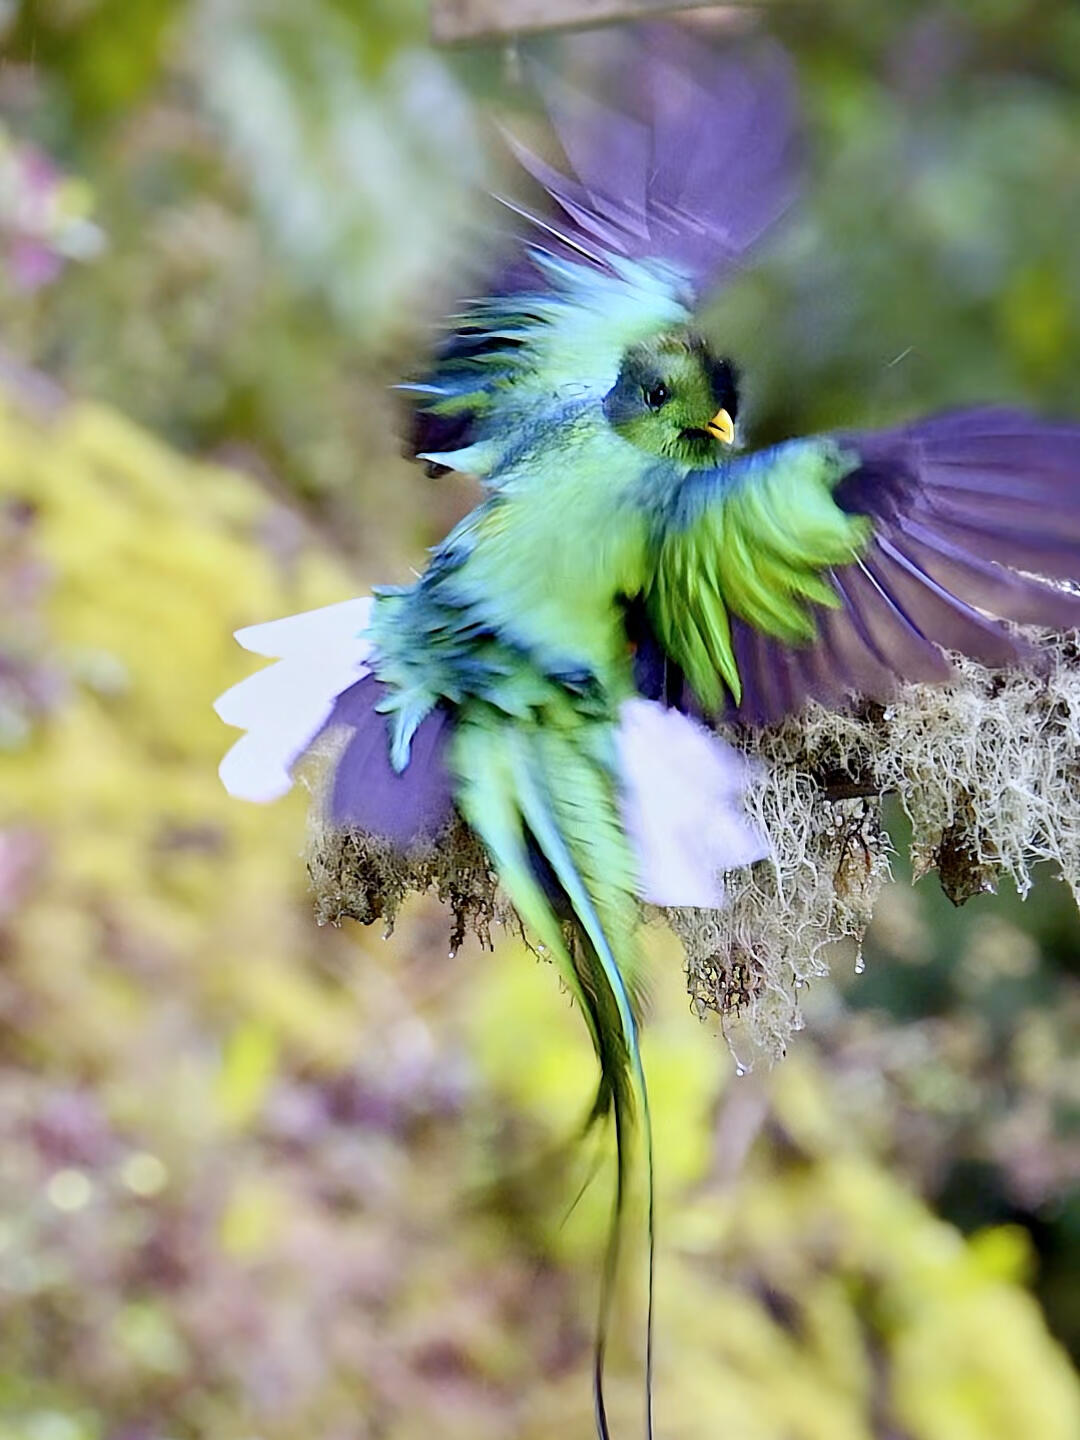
x,y
985,768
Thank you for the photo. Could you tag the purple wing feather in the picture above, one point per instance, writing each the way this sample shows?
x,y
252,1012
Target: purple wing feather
x,y
367,793
969,509
695,161
323,683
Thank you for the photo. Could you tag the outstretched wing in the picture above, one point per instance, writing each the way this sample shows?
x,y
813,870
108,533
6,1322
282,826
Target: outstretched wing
x,y
681,153
837,567
668,185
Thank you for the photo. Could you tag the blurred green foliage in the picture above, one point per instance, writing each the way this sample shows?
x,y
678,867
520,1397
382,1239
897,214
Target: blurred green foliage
x,y
265,1180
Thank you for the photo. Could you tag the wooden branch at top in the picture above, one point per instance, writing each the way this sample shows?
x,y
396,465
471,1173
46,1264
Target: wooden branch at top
x,y
454,21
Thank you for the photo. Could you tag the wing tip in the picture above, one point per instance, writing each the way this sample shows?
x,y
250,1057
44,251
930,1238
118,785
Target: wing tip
x,y
246,776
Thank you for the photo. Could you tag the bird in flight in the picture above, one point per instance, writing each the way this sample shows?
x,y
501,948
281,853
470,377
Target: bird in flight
x,y
636,567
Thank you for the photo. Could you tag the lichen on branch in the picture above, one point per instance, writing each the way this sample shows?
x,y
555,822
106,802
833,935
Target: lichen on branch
x,y
987,770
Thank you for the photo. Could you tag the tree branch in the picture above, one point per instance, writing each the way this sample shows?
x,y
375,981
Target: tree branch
x,y
456,21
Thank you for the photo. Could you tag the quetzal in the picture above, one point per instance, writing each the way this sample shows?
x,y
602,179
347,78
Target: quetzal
x,y
632,569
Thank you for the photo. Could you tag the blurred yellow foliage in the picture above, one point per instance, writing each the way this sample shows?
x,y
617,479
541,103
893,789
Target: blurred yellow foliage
x,y
156,561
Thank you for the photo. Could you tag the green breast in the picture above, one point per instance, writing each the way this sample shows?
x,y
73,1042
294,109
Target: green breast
x,y
560,546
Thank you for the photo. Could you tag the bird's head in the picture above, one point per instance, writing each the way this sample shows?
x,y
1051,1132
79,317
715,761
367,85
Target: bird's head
x,y
675,398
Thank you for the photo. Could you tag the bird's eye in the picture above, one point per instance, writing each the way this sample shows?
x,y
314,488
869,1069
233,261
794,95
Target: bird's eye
x,y
656,396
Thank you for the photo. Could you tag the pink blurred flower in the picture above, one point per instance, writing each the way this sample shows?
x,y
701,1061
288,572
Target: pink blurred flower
x,y
44,216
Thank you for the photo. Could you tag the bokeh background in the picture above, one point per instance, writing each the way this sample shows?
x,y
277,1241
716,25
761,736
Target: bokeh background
x,y
261,1181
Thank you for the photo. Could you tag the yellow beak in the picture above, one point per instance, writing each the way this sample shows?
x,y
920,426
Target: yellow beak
x,y
722,427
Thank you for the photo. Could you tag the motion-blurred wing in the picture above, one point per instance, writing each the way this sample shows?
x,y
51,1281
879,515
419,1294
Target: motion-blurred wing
x,y
670,183
322,683
690,164
832,568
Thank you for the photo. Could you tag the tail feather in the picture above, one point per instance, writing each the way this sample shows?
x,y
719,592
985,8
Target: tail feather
x,y
620,1062
529,791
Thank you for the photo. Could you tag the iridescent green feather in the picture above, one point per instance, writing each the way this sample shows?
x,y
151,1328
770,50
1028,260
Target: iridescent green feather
x,y
551,785
754,539
563,345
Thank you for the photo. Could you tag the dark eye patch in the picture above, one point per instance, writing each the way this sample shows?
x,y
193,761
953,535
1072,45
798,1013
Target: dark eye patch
x,y
656,396
724,383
